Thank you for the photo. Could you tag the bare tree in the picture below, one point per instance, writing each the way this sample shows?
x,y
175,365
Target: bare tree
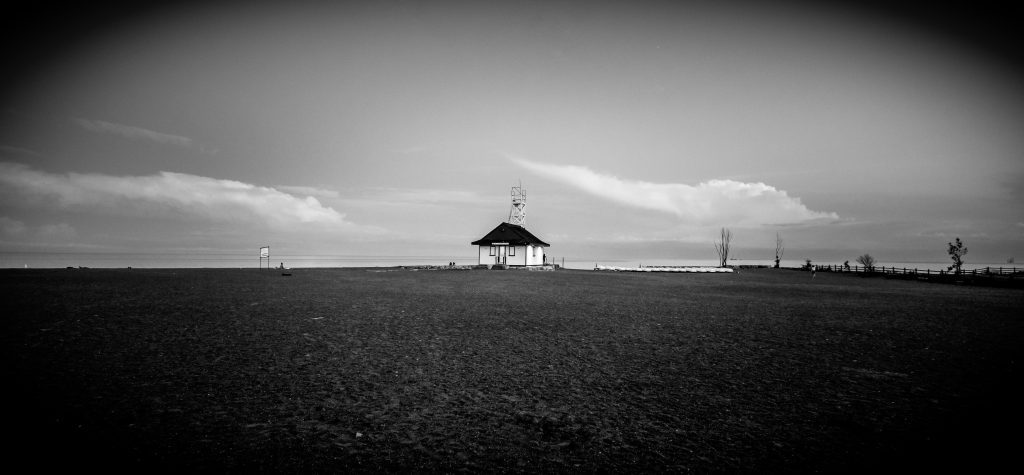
x,y
722,247
779,249
957,252
867,261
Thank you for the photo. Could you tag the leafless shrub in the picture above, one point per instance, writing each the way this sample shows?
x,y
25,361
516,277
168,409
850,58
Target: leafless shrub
x,y
957,252
779,249
867,261
722,247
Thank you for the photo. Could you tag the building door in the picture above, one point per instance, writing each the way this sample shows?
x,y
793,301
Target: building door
x,y
501,254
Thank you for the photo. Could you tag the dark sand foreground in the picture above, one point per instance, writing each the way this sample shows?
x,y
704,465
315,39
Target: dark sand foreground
x,y
339,370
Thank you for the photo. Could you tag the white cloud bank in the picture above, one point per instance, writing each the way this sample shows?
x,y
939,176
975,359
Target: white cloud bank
x,y
168,193
714,202
307,191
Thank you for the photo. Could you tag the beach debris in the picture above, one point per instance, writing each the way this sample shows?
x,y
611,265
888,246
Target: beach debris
x,y
664,269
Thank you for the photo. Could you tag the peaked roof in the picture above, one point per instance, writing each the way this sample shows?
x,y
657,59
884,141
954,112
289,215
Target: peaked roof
x,y
513,234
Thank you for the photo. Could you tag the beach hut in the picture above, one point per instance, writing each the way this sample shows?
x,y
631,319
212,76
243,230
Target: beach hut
x,y
511,245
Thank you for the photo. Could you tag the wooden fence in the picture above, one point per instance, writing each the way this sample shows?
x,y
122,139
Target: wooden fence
x,y
985,271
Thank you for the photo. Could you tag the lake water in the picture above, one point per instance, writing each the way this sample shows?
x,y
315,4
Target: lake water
x,y
251,260
921,265
211,260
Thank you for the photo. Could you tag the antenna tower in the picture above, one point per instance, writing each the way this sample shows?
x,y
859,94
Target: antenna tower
x,y
517,215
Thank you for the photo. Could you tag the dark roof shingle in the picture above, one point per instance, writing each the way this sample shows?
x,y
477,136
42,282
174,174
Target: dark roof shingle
x,y
513,234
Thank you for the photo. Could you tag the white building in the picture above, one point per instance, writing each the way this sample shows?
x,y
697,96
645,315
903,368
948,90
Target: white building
x,y
512,245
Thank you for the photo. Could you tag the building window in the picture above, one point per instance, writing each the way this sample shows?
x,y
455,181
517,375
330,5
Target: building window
x,y
511,250
492,250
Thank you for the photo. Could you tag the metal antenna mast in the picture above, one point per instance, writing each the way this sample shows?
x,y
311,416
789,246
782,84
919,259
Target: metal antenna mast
x,y
517,215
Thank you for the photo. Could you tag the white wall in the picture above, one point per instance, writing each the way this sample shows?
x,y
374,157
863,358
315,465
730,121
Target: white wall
x,y
485,256
524,256
519,259
532,260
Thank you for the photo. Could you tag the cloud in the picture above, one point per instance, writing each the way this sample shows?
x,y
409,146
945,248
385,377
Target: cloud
x,y
8,150
405,199
307,191
172,194
423,195
714,202
11,227
132,132
42,234
59,231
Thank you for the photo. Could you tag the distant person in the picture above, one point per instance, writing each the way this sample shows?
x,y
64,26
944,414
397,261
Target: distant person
x,y
813,271
846,265
281,266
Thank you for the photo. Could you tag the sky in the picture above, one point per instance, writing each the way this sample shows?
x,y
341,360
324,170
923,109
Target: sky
x,y
397,128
